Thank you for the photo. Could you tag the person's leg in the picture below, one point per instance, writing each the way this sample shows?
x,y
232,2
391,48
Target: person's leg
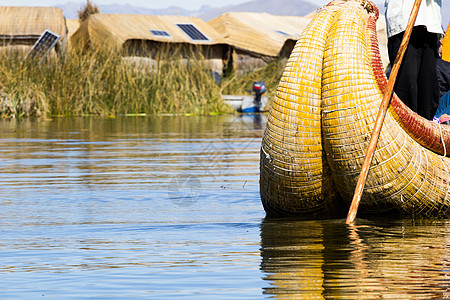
x,y
406,83
428,92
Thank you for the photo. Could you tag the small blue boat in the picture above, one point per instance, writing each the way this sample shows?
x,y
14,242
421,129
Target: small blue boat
x,y
249,103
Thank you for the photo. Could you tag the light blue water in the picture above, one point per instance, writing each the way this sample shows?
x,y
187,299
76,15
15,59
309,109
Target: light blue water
x,y
169,208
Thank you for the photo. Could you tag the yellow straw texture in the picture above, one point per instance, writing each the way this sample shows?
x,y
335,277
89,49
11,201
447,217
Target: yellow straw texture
x,y
327,109
295,177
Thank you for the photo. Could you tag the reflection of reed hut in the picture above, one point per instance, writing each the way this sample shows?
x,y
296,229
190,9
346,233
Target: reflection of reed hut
x,y
257,38
21,27
148,36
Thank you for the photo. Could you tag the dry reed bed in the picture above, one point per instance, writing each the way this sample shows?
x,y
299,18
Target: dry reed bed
x,y
100,83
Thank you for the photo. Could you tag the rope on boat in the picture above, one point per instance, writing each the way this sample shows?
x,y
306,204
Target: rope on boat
x,y
442,140
267,154
446,169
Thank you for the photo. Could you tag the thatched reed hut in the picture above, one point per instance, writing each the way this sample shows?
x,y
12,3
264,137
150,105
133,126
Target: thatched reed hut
x,y
147,37
21,27
257,38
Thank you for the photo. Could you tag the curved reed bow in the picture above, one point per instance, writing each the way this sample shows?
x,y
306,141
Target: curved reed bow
x,y
381,115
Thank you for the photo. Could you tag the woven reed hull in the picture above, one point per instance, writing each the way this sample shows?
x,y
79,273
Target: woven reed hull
x,y
404,175
294,175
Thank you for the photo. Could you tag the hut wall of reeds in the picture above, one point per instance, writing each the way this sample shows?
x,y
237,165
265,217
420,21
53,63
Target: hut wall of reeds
x,y
20,27
72,27
257,38
149,37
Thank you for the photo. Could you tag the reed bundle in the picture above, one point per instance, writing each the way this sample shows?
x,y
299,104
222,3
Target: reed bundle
x,y
321,121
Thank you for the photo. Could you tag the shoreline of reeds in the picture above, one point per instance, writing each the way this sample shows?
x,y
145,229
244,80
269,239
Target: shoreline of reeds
x,y
103,84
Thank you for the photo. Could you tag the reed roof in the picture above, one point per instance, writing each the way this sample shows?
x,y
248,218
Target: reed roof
x,y
114,30
259,33
18,22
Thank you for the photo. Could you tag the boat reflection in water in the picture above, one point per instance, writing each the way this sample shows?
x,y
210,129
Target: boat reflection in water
x,y
329,259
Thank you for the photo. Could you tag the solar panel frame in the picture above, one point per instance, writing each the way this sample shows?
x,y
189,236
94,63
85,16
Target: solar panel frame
x,y
192,32
44,44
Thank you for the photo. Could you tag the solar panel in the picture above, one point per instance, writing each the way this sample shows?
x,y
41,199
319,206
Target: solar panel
x,y
193,32
44,44
159,32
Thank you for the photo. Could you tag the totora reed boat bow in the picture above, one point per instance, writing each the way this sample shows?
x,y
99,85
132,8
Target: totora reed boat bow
x,y
320,124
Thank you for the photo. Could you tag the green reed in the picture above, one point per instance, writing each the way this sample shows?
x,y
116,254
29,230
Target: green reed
x,y
104,83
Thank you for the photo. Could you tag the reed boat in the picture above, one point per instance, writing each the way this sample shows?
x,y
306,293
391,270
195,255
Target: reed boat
x,y
321,120
249,104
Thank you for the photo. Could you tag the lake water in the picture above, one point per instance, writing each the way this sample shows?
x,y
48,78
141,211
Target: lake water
x,y
169,208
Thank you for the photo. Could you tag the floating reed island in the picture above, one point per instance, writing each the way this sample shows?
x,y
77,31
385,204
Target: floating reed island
x,y
320,124
112,64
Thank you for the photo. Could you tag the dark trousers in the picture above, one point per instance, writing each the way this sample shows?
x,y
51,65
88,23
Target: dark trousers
x,y
417,84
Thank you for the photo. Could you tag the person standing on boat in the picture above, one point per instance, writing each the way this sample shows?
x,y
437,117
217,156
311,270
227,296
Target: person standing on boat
x,y
417,84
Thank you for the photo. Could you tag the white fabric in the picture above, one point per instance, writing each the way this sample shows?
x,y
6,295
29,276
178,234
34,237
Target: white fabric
x,y
398,12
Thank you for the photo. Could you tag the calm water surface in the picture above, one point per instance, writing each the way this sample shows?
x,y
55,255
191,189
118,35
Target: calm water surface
x,y
169,208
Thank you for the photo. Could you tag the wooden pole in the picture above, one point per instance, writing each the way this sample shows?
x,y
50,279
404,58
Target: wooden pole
x,y
381,115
